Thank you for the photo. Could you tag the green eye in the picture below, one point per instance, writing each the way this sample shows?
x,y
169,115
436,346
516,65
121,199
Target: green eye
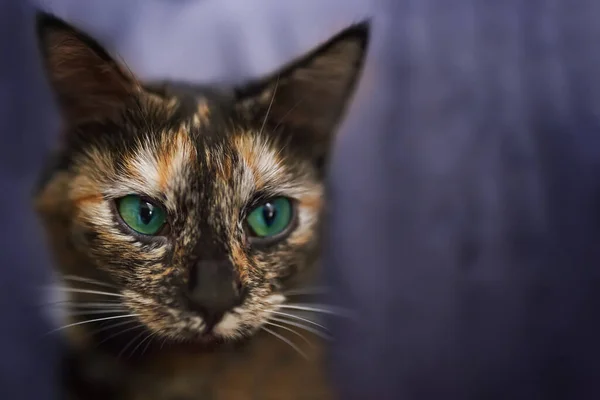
x,y
141,215
270,218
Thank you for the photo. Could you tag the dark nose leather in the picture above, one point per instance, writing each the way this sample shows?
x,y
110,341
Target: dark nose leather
x,y
213,290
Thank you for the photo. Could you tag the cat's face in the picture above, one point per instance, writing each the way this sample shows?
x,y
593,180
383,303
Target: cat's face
x,y
194,204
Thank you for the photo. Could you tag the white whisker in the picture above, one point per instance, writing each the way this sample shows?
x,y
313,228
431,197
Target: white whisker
x,y
301,336
288,113
299,318
88,280
116,304
304,327
285,340
148,344
136,326
76,290
130,343
90,321
142,342
162,343
332,311
270,105
75,304
95,312
112,326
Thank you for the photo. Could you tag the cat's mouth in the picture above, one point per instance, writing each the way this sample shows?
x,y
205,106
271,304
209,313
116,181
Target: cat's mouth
x,y
181,324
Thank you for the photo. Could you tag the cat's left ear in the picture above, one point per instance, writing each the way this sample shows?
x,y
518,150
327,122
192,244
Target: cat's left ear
x,y
88,83
307,98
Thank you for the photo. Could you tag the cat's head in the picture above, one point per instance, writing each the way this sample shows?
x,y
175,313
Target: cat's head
x,y
193,204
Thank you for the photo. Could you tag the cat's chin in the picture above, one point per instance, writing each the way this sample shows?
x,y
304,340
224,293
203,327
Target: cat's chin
x,y
210,339
208,343
214,337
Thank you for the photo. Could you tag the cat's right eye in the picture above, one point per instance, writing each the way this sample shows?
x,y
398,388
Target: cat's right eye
x,y
271,219
141,215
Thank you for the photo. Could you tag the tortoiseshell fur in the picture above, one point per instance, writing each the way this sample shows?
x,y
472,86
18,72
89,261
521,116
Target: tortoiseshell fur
x,y
208,155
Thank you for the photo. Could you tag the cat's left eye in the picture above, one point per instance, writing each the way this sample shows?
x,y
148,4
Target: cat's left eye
x,y
142,215
270,219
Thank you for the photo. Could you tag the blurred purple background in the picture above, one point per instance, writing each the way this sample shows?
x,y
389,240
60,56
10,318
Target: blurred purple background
x,y
465,187
210,40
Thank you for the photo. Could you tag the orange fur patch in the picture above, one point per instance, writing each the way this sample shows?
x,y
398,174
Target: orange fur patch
x,y
313,203
257,154
244,144
166,272
83,188
163,167
203,111
173,156
91,198
131,168
301,239
241,262
225,169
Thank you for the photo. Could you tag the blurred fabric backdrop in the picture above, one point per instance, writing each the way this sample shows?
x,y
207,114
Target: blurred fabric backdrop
x,y
470,172
210,40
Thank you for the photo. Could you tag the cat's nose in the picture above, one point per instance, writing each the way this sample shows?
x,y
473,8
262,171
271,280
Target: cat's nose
x,y
213,290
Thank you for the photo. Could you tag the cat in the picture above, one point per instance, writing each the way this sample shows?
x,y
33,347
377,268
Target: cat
x,y
180,214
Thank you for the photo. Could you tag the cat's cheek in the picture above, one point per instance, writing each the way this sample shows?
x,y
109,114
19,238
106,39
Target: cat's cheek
x,y
308,215
97,235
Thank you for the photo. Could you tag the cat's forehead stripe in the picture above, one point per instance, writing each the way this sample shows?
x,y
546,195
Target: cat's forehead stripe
x,y
219,160
225,170
263,161
174,157
146,170
203,110
202,115
159,166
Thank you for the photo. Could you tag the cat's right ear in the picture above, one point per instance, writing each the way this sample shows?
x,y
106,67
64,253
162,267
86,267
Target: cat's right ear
x,y
89,84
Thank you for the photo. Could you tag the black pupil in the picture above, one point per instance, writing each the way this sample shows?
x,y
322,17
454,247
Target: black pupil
x,y
146,212
269,213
